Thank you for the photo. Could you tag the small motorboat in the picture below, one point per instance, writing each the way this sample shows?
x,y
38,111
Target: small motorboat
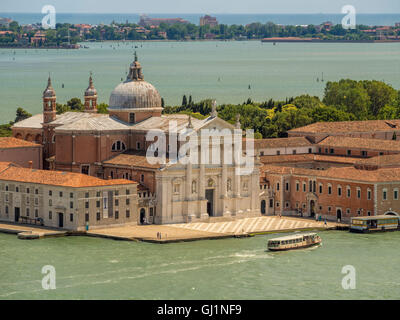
x,y
295,241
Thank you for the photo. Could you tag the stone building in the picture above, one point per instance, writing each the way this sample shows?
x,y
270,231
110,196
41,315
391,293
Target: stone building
x,y
64,199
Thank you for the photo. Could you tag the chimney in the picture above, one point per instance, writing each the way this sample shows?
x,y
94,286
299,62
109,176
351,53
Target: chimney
x,y
30,163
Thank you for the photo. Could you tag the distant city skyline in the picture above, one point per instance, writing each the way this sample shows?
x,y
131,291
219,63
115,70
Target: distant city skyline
x,y
204,6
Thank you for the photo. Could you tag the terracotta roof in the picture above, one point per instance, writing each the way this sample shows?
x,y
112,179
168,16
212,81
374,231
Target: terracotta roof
x,y
361,143
10,142
55,178
392,160
350,126
282,142
345,173
306,158
131,159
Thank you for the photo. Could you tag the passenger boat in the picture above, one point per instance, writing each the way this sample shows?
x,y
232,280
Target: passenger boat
x,y
295,241
374,223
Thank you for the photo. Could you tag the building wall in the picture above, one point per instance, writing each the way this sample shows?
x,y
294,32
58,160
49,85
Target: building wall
x,y
289,150
296,202
355,152
22,156
391,204
48,202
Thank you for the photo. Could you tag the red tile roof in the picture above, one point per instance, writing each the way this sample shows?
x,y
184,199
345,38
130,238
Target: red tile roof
x,y
132,159
361,143
350,126
10,172
10,142
342,173
282,142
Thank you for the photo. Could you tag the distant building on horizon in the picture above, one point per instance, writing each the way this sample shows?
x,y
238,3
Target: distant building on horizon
x,y
146,21
5,22
208,20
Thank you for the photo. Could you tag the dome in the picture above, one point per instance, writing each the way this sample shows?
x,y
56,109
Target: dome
x,y
135,93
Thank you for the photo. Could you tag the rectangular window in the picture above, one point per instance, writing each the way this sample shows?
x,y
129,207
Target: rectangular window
x,y
71,205
116,214
128,213
364,153
278,152
304,187
349,152
127,192
71,195
36,213
71,217
116,202
339,191
384,195
131,117
87,195
309,150
87,204
50,215
294,151
348,193
369,194
331,151
395,194
87,217
50,193
127,202
359,193
297,186
287,186
320,188
61,194
98,216
27,190
97,204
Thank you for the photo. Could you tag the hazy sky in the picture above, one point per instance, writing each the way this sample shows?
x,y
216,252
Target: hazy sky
x,y
201,6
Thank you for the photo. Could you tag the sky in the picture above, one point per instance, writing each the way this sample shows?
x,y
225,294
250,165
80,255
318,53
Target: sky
x,y
201,6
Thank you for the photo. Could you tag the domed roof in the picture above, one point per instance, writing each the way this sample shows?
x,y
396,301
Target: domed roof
x,y
49,92
91,90
135,93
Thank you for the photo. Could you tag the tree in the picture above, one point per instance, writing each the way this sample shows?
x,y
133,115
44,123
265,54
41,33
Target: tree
x,y
348,95
22,115
184,101
380,95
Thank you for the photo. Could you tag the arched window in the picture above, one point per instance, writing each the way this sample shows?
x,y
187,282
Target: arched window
x,y
118,146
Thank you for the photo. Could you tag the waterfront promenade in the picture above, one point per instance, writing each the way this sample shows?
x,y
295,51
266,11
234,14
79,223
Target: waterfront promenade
x,y
182,232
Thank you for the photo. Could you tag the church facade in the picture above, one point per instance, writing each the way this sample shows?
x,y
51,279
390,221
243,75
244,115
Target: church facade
x,y
114,146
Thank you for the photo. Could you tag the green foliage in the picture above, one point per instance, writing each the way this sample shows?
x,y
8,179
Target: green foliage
x,y
102,108
22,114
5,130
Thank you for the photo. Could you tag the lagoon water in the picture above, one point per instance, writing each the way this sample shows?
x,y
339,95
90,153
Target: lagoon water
x,y
209,69
92,268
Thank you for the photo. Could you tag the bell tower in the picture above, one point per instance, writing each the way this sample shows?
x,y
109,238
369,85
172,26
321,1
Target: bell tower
x,y
49,103
91,97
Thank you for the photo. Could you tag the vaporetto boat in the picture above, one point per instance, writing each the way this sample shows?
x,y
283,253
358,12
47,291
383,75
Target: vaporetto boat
x,y
295,241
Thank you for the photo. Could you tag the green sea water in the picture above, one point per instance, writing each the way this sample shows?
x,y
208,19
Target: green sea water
x,y
209,69
93,268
